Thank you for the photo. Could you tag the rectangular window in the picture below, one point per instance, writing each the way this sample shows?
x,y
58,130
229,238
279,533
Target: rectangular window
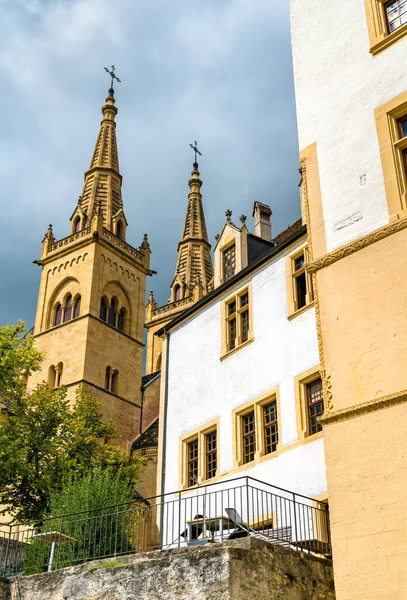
x,y
249,437
199,455
386,23
300,293
315,405
229,263
193,463
270,424
396,14
237,320
211,454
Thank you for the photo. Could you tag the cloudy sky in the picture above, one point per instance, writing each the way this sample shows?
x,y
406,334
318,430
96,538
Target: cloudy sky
x,y
218,71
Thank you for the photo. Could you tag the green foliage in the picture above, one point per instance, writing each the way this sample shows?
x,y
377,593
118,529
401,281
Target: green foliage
x,y
93,531
44,442
18,359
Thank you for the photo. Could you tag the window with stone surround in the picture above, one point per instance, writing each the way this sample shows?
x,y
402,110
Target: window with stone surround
x,y
199,455
237,320
256,428
309,402
228,262
391,125
299,282
386,23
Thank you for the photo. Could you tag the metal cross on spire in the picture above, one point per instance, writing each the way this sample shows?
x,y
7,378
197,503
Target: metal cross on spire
x,y
113,76
195,149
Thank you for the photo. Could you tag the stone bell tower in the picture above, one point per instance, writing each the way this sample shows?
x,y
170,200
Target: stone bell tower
x,y
89,320
193,277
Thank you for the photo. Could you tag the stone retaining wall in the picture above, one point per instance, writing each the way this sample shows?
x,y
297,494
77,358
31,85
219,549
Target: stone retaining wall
x,y
245,569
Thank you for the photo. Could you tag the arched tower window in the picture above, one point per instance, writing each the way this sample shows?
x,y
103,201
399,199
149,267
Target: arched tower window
x,y
108,378
52,376
103,309
68,309
77,307
120,319
112,313
77,225
115,382
58,314
177,293
119,229
59,371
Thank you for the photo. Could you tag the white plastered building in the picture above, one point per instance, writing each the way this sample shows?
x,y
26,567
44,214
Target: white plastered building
x,y
240,367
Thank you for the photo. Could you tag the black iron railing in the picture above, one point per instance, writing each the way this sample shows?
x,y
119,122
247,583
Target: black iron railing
x,y
211,513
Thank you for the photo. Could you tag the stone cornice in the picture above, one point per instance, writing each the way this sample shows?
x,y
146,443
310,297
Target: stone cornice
x,y
328,259
352,412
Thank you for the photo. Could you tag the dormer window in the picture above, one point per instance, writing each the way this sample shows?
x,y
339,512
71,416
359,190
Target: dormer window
x,y
229,262
119,229
77,225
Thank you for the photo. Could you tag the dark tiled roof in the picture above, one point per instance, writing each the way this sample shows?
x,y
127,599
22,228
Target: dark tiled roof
x,y
283,235
294,234
148,439
147,379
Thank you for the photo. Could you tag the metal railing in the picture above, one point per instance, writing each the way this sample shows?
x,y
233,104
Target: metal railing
x,y
211,513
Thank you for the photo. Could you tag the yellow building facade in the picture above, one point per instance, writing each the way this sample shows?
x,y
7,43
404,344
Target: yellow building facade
x,y
351,105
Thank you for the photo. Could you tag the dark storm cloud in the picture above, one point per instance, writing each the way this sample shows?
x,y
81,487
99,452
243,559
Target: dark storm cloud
x,y
216,71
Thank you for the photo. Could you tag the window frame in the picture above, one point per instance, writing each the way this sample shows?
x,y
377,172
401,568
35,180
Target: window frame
x,y
237,316
200,434
380,38
224,251
301,402
257,406
292,275
392,147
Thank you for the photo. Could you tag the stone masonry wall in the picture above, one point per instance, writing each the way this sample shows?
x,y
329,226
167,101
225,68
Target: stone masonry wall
x,y
246,568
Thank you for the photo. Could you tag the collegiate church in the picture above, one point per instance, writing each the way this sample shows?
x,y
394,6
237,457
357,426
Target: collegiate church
x,y
284,358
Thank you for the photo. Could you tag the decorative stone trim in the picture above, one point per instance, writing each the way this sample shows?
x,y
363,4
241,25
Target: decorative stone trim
x,y
171,306
363,242
345,414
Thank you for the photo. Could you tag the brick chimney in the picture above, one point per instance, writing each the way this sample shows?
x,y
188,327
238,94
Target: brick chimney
x,y
262,221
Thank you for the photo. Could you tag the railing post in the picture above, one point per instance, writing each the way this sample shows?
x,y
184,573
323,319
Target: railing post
x,y
247,502
328,527
295,518
179,520
7,551
116,530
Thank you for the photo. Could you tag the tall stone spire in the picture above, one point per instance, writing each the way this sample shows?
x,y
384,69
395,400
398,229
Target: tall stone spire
x,y
102,185
194,264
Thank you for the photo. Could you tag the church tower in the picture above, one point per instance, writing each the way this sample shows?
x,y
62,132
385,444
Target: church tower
x,y
193,273
89,320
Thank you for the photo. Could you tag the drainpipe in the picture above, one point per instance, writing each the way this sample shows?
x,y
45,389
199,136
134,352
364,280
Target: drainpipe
x,y
164,436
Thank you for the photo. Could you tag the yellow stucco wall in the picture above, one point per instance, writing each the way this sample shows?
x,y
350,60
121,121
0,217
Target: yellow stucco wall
x,y
363,308
366,463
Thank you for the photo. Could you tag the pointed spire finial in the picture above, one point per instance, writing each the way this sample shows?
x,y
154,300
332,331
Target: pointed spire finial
x,y
228,214
195,149
113,76
144,244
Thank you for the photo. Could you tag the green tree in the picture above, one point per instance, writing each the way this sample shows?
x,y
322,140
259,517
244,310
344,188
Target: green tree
x,y
18,359
44,442
96,513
